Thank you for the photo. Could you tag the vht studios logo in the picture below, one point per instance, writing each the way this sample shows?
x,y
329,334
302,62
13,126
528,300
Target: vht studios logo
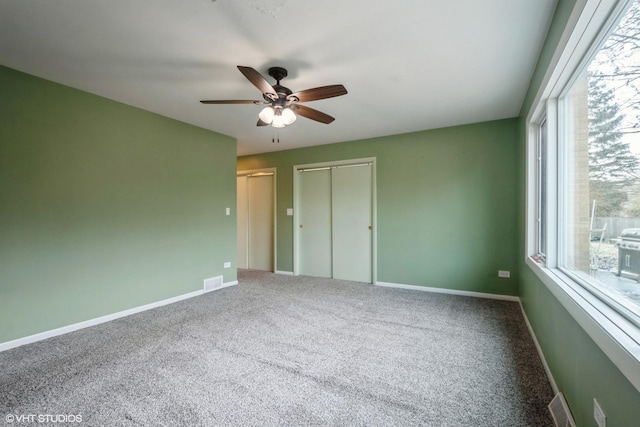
x,y
43,418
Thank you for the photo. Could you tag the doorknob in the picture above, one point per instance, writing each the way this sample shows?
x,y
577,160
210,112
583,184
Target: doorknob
x,y
300,225
370,228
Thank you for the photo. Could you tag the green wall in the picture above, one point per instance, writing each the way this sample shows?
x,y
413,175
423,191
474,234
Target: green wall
x,y
446,204
104,207
581,370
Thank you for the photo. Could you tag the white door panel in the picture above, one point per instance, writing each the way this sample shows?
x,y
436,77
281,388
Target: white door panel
x,y
260,229
314,234
243,233
351,221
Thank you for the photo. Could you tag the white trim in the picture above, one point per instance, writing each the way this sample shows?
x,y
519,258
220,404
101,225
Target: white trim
x,y
103,319
563,61
550,377
449,291
552,181
284,273
227,284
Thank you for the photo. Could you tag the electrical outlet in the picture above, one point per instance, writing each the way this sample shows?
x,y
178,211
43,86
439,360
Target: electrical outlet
x,y
598,414
227,265
504,273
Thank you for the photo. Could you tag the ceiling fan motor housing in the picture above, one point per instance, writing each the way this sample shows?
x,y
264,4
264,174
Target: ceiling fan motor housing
x,y
280,73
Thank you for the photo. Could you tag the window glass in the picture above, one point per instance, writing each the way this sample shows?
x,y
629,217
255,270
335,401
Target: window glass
x,y
600,210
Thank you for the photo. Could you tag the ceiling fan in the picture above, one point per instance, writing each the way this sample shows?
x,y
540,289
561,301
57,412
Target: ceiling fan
x,y
283,105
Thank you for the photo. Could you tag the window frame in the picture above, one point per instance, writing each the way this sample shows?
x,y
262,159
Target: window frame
x,y
541,190
617,334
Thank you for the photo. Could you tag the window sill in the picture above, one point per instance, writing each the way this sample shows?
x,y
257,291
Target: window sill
x,y
616,336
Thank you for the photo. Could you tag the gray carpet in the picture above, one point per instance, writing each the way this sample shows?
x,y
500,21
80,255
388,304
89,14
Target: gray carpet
x,y
282,350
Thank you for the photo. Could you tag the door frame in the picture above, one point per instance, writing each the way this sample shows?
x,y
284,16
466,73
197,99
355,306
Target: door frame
x,y
258,172
374,209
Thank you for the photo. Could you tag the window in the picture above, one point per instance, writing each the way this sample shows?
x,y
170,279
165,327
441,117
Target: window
x,y
541,202
583,179
600,191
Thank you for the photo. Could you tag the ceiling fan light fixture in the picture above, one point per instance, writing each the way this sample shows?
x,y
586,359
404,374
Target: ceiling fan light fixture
x,y
267,114
288,116
278,120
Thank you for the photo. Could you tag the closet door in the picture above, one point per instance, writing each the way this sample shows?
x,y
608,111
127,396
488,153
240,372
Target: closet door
x,y
260,222
351,222
314,234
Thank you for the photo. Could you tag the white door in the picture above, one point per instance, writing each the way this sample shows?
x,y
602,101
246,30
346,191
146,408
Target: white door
x,y
255,222
242,218
260,222
314,222
352,222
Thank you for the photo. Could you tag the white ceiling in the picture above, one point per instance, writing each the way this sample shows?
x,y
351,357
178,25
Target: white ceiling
x,y
408,65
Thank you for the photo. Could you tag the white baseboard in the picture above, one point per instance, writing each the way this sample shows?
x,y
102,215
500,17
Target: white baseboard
x,y
552,380
227,284
449,291
284,273
98,320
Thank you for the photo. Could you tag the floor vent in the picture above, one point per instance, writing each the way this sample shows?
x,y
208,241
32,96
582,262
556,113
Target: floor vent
x,y
213,283
560,412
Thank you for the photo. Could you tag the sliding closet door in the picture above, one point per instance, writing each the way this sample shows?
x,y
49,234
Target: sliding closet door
x,y
335,236
260,222
314,234
351,221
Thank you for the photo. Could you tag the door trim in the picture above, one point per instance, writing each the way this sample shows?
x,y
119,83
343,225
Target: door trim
x,y
265,171
374,209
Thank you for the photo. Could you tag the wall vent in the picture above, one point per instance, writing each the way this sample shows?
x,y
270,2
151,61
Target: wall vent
x,y
213,283
560,412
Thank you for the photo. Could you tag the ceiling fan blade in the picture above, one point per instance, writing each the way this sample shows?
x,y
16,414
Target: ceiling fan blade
x,y
258,81
314,94
312,114
261,123
231,101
